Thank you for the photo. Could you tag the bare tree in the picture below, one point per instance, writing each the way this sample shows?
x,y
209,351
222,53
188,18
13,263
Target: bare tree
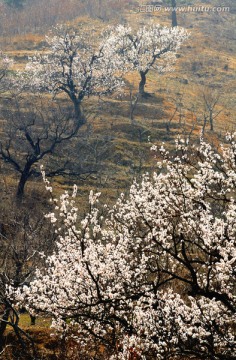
x,y
211,110
177,112
133,102
24,235
33,134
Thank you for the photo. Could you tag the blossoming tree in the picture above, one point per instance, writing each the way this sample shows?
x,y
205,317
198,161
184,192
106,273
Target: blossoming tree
x,y
75,66
155,277
150,47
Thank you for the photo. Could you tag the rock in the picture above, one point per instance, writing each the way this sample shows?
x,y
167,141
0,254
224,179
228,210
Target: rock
x,y
184,81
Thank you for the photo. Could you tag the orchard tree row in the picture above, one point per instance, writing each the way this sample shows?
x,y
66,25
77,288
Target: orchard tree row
x,y
78,67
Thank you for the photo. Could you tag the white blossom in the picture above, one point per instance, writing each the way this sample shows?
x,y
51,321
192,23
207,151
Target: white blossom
x,y
157,275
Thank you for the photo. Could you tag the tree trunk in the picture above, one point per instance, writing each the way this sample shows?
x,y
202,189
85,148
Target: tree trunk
x,y
3,326
23,179
173,15
142,83
204,124
78,113
133,104
211,121
32,319
21,185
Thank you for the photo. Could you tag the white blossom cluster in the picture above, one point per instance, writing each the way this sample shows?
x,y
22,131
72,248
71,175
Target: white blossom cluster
x,y
76,66
156,276
73,65
152,46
